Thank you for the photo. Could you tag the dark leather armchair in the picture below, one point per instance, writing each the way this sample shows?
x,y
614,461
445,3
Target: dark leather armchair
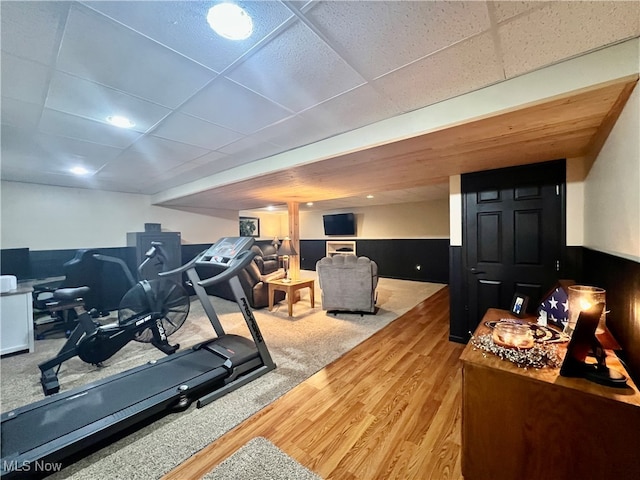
x,y
253,278
266,258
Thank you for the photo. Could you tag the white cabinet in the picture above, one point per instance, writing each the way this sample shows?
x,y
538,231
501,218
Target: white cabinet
x,y
16,321
336,247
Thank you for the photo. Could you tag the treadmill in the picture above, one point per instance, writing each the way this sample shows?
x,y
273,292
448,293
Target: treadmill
x,y
56,427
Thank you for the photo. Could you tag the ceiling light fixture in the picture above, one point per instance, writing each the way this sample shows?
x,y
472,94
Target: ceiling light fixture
x,y
120,121
230,21
369,196
309,204
79,171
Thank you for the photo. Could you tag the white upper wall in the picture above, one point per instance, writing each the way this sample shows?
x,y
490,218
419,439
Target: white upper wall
x,y
42,217
612,189
404,220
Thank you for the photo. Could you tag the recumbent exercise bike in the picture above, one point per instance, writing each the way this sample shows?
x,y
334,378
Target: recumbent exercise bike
x,y
149,312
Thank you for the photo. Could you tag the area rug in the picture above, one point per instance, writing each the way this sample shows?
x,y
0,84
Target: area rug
x,y
300,345
260,459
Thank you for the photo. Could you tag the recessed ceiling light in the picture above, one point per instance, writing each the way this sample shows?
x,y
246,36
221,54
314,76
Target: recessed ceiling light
x,y
120,121
369,196
309,204
230,21
79,171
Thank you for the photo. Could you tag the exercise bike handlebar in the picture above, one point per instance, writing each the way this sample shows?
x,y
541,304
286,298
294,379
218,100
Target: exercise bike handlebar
x,y
123,265
242,260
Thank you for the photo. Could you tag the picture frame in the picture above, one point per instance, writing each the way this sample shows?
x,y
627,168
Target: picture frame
x,y
519,305
249,227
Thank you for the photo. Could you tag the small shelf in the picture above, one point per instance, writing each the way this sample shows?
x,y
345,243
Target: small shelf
x,y
344,247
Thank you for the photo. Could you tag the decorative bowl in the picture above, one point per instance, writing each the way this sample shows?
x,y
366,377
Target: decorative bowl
x,y
513,335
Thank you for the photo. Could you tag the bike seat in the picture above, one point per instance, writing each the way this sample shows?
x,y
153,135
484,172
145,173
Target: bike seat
x,y
70,294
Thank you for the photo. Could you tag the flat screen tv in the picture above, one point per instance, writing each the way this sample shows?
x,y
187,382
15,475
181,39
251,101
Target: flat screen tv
x,y
339,224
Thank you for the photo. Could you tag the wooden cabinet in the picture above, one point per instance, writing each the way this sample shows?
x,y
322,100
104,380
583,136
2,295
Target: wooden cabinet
x,y
171,242
16,321
534,424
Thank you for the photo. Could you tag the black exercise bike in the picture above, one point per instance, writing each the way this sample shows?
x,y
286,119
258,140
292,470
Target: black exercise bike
x,y
149,312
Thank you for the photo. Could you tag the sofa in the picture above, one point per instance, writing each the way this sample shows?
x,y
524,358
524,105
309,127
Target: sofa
x,y
253,278
348,283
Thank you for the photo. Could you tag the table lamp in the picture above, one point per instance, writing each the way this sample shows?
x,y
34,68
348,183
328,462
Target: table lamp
x,y
285,251
581,298
583,343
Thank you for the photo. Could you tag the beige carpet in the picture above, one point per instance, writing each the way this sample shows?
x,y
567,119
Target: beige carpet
x,y
300,346
260,459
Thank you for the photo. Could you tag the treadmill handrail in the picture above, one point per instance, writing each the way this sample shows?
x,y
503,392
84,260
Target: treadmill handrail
x,y
242,260
183,268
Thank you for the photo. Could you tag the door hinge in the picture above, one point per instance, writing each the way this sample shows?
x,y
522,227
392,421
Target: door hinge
x,y
557,265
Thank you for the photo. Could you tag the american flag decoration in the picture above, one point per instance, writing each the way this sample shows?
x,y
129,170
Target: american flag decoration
x,y
555,305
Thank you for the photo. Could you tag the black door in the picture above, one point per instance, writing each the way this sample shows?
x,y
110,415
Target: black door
x,y
513,233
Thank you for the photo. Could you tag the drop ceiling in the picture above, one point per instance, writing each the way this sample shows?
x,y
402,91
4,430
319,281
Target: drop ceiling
x,y
311,70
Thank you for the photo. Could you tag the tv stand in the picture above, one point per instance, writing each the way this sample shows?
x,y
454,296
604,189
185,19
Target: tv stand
x,y
344,247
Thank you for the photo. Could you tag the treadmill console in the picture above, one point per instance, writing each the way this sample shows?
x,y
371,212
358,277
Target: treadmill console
x,y
225,250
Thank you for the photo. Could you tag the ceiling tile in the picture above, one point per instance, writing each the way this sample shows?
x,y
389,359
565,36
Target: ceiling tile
x,y
208,158
356,108
98,49
180,176
37,176
191,130
69,152
182,26
465,67
50,153
249,148
58,123
294,132
564,29
160,153
297,70
87,99
128,172
20,114
511,8
378,37
24,79
127,185
31,29
230,105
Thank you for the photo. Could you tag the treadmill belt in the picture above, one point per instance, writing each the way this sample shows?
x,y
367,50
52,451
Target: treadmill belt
x,y
53,420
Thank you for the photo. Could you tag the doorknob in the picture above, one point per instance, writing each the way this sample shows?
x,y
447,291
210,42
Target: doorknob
x,y
475,271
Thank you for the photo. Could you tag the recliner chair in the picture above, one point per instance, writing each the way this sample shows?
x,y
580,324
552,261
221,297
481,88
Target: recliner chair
x,y
348,283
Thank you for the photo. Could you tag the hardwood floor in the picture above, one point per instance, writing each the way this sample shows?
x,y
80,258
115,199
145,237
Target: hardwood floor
x,y
389,408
